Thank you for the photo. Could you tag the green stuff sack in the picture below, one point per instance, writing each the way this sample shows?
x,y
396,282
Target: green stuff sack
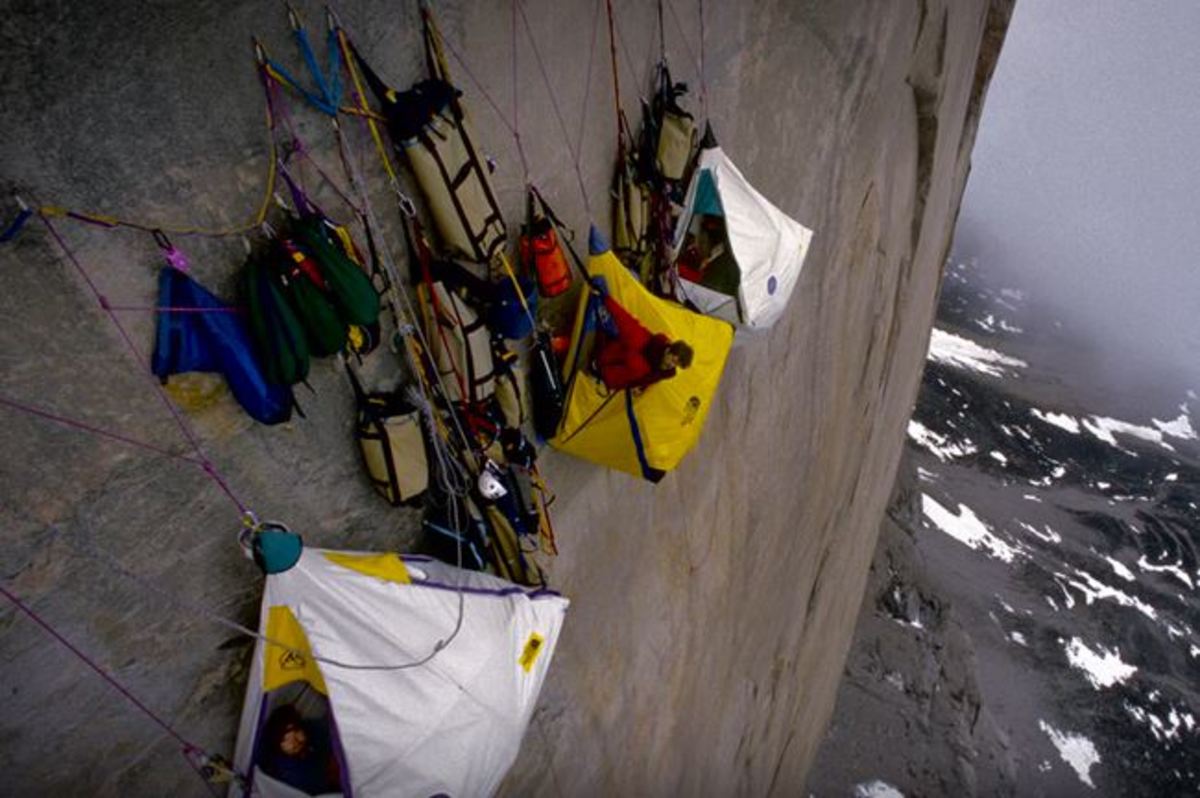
x,y
304,287
350,288
278,335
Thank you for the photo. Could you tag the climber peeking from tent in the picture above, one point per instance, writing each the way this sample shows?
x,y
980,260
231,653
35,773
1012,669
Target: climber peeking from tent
x,y
627,355
298,753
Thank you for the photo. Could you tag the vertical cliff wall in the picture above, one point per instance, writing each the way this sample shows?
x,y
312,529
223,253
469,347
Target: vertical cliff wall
x,y
711,613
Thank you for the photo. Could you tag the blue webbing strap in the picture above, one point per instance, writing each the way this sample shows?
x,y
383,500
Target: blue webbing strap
x,y
648,473
11,231
329,85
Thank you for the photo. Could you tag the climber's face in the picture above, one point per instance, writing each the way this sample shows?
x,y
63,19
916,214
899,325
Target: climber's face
x,y
294,740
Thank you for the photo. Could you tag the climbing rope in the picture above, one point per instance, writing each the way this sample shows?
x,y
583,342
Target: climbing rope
x,y
537,55
185,429
209,766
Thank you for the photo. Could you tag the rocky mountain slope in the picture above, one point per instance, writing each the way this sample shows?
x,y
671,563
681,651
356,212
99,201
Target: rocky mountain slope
x,y
1031,622
711,613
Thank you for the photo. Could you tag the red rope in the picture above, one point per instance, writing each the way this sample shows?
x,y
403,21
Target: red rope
x,y
612,51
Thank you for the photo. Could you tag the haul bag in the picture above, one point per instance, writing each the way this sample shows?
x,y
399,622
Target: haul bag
x,y
461,343
676,139
428,126
389,434
455,182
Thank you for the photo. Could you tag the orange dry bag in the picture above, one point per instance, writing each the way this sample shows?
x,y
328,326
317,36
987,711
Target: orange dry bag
x,y
540,249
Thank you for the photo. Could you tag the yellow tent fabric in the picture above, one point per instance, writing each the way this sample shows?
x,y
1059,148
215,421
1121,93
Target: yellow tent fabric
x,y
670,414
291,660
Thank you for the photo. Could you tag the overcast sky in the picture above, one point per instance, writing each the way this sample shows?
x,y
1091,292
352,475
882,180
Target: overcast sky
x,y
1085,184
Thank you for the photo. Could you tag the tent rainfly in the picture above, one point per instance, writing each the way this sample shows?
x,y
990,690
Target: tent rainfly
x,y
738,255
451,726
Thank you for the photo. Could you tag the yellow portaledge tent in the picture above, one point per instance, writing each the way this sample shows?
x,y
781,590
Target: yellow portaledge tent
x,y
645,433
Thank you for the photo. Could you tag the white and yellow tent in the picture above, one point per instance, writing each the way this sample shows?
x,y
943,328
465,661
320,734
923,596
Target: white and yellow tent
x,y
645,433
452,725
756,262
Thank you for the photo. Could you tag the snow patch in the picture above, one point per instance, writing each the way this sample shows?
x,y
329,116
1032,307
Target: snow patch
x,y
1175,569
1076,750
998,457
1018,638
876,789
1093,589
1101,666
1060,420
963,353
1121,569
965,527
1105,429
939,446
1165,729
1049,536
1180,427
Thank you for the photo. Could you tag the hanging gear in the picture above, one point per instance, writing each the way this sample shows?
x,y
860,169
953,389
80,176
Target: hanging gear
x,y
213,339
349,287
429,126
278,334
389,433
541,253
306,291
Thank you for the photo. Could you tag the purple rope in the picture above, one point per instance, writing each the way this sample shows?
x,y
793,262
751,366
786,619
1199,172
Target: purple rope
x,y
172,309
683,37
516,106
587,205
587,92
105,675
186,431
103,433
479,85
703,80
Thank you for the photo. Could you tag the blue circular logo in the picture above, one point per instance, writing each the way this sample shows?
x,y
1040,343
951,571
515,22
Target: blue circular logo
x,y
772,284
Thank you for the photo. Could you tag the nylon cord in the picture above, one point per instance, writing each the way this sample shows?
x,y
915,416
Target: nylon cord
x,y
184,428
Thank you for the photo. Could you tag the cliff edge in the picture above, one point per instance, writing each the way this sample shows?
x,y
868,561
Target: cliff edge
x,y
711,613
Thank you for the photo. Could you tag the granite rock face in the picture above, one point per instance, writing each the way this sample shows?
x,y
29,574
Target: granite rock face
x,y
712,612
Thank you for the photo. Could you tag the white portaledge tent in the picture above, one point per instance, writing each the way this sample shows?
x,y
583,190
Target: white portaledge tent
x,y
752,252
451,726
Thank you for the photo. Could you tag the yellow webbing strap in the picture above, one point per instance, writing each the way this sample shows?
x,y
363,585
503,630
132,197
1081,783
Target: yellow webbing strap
x,y
363,108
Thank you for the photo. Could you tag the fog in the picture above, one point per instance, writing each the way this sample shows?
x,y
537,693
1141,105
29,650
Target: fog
x,y
1085,186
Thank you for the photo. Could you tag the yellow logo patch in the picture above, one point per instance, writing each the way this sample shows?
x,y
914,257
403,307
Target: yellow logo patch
x,y
533,649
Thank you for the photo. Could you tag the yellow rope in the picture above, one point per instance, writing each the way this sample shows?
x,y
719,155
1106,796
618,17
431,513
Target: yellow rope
x,y
348,59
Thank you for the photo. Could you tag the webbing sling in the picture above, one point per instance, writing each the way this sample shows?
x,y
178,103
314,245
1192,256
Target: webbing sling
x,y
327,98
649,473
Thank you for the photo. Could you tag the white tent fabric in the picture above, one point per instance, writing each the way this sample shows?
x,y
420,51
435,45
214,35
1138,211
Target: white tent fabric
x,y
768,245
452,726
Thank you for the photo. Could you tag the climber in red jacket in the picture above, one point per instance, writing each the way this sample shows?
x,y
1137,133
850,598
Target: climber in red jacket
x,y
634,357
